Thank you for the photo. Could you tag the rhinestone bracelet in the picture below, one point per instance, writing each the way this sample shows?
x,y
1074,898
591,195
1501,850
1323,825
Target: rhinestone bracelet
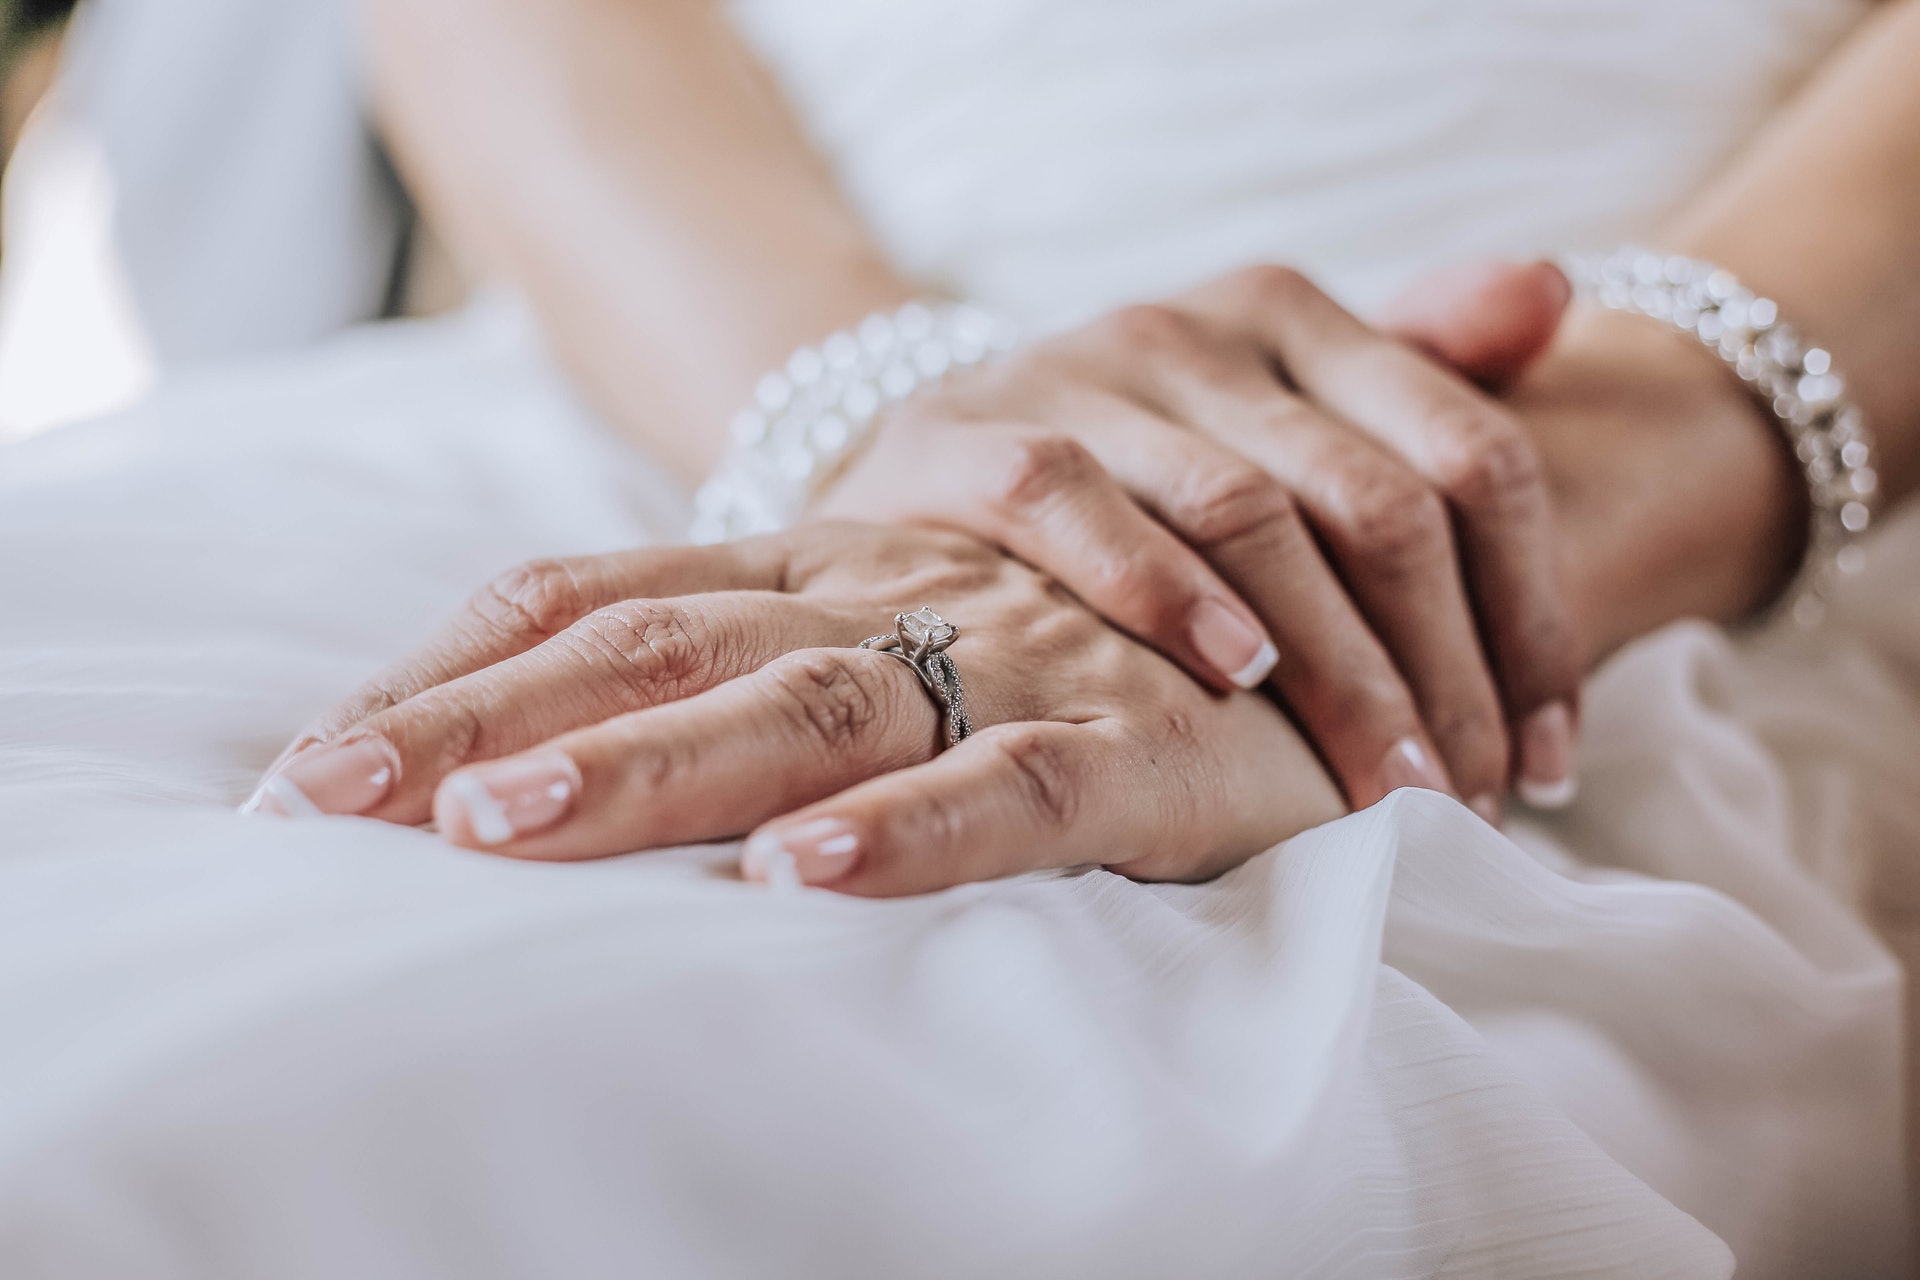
x,y
810,418
1796,382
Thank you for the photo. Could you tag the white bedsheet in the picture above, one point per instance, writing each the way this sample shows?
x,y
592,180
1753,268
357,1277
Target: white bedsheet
x,y
1402,1045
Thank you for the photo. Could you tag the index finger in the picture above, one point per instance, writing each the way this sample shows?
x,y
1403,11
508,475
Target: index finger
x,y
534,602
627,656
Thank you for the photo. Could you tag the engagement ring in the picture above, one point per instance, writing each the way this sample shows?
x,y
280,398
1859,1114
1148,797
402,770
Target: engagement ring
x,y
921,639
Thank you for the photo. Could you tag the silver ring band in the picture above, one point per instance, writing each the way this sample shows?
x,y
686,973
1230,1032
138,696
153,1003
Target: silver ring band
x,y
921,639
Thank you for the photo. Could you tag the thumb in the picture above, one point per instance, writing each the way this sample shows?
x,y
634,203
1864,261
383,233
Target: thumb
x,y
1488,320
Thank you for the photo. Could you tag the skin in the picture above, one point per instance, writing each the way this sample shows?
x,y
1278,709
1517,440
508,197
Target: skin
x,y
630,168
668,288
1252,442
623,714
608,703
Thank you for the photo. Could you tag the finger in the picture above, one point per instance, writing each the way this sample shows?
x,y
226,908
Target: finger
x,y
1014,798
1115,790
804,727
533,602
1386,532
1486,467
1489,321
627,656
1047,499
1334,673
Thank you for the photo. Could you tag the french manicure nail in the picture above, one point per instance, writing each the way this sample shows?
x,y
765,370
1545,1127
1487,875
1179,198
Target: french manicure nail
x,y
1488,807
1547,751
767,861
1234,646
816,852
1408,765
513,798
348,778
280,798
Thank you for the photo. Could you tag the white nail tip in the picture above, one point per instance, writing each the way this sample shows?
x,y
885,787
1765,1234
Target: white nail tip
x,y
1548,795
484,814
1259,669
1412,752
292,800
767,860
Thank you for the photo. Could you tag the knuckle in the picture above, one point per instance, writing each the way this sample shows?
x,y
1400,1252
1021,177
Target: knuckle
x,y
443,730
1148,327
930,827
1475,737
1038,468
653,641
1044,772
1395,522
540,598
1272,284
1483,457
1369,704
831,701
654,766
462,734
1135,585
1233,505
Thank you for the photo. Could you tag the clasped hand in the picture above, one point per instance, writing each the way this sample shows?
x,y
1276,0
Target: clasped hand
x,y
1247,485
648,698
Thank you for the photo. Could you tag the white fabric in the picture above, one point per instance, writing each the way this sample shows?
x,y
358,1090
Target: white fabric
x,y
1057,157
1398,1047
1402,1045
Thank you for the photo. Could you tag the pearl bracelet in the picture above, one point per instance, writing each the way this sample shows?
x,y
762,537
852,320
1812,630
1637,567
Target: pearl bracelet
x,y
810,418
1797,383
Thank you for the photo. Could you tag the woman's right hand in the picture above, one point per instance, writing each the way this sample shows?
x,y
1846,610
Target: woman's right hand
x,y
1268,490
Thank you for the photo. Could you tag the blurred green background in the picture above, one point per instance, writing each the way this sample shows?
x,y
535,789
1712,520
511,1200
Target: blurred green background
x,y
29,54
23,22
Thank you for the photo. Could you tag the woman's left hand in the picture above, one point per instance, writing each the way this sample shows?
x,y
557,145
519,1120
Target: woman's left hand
x,y
630,701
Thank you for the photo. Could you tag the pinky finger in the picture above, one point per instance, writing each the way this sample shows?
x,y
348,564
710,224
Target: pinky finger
x,y
1013,798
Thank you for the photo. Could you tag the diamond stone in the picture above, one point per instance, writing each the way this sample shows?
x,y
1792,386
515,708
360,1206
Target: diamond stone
x,y
924,629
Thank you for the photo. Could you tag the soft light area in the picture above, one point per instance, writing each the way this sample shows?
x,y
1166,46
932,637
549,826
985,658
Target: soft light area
x,y
71,342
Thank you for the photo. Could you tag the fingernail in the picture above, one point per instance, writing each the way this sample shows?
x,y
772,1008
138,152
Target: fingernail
x,y
1547,758
1234,646
1408,765
510,798
282,799
349,778
816,852
1488,807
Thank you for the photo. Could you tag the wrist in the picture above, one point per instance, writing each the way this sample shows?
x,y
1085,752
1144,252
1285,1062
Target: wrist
x,y
1677,494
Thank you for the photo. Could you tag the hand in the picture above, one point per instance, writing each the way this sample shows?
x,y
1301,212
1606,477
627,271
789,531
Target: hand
x,y
1264,488
611,703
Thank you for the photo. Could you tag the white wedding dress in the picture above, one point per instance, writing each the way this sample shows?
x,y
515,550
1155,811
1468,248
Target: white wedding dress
x,y
1644,1038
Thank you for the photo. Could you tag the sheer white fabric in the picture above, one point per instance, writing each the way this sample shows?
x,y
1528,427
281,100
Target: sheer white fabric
x,y
1648,1037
